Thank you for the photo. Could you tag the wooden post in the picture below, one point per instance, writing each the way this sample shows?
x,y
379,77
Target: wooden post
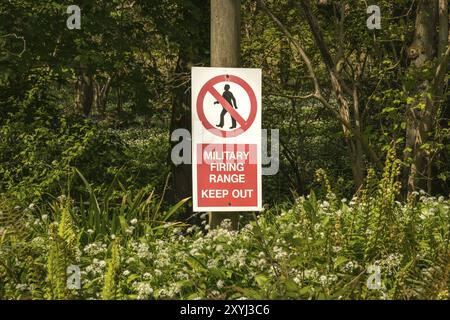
x,y
225,52
225,33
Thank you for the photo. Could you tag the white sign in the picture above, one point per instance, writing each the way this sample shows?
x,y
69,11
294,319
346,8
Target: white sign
x,y
226,139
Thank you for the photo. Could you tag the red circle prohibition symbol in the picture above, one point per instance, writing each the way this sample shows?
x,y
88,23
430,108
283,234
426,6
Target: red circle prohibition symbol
x,y
244,124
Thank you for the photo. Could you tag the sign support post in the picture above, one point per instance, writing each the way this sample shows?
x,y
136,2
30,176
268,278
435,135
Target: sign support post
x,y
225,52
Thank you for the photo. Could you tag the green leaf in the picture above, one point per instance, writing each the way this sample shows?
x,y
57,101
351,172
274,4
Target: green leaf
x,y
261,280
339,261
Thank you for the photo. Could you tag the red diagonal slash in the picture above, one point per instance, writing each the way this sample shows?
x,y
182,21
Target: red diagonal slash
x,y
227,106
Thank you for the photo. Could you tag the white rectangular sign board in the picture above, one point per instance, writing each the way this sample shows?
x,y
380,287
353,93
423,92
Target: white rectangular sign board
x,y
226,139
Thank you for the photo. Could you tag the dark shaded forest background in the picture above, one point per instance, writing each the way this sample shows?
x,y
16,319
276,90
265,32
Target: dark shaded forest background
x,y
79,98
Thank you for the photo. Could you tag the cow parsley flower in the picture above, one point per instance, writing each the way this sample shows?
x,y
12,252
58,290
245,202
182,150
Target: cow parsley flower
x,y
144,290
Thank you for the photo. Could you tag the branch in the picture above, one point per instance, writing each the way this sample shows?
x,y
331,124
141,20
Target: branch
x,y
315,29
441,69
299,47
308,96
305,5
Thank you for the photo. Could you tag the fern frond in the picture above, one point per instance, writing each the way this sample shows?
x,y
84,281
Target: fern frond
x,y
110,286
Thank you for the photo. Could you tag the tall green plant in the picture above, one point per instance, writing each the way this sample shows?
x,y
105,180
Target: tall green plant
x,y
110,286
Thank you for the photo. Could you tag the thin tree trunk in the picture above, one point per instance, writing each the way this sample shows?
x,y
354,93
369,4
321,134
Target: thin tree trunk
x,y
420,113
354,146
441,84
102,94
85,91
358,173
443,27
119,99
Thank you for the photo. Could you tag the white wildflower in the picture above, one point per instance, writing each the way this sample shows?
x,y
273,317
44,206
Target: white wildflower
x,y
144,290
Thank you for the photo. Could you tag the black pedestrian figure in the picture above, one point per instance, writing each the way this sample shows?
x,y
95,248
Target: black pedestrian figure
x,y
227,95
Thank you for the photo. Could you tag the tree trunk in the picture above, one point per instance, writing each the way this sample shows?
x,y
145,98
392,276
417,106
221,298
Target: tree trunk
x,y
441,83
420,113
102,92
181,119
443,27
193,51
119,99
225,52
85,91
